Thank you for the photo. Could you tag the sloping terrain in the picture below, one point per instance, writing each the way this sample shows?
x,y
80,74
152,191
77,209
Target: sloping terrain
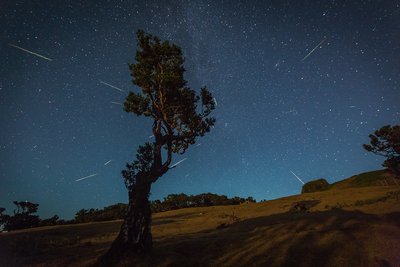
x,y
348,226
373,178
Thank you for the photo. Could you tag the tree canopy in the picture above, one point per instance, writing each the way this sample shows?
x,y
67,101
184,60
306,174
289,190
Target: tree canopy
x,y
386,142
179,115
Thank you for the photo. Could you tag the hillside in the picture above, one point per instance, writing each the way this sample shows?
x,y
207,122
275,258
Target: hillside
x,y
373,178
348,226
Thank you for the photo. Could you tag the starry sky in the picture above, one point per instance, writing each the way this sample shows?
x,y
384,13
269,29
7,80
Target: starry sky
x,y
299,86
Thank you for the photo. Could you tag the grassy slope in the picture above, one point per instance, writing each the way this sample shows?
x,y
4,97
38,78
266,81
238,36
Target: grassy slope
x,y
373,178
353,226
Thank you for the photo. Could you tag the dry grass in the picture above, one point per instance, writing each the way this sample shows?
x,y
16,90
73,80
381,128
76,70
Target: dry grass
x,y
349,227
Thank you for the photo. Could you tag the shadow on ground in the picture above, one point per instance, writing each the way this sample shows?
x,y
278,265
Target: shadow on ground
x,y
328,238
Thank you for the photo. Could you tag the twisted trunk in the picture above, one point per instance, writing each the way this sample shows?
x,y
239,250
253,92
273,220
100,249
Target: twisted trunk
x,y
135,234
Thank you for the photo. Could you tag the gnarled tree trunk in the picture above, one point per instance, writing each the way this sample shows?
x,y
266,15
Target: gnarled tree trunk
x,y
135,234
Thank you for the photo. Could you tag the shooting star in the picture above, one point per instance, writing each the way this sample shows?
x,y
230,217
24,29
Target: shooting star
x,y
320,43
30,52
112,86
86,177
116,103
215,101
176,164
107,162
298,178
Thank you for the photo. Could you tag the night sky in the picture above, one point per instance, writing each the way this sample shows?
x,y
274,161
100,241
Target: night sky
x,y
278,110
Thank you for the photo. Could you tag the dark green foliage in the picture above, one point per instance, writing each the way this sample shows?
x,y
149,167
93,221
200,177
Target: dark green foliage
x,y
3,218
164,97
50,221
23,216
386,142
21,221
170,202
113,212
179,201
315,186
25,207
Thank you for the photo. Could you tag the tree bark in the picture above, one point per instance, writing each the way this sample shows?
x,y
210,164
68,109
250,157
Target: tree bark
x,y
135,235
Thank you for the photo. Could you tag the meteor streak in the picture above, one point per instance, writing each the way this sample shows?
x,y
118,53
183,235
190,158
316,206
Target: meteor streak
x,y
30,52
107,162
112,86
116,103
215,101
298,178
320,43
176,164
83,178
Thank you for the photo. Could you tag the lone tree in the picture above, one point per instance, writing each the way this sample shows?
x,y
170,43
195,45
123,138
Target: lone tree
x,y
179,117
386,142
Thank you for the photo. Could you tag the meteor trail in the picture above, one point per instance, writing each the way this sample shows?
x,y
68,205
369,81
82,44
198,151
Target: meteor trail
x,y
298,178
116,103
30,52
176,164
112,86
320,43
215,101
83,178
107,162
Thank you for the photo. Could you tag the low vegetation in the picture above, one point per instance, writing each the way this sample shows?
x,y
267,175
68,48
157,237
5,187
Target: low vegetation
x,y
385,142
24,216
315,186
171,202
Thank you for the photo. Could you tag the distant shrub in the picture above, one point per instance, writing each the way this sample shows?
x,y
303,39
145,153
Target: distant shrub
x,y
170,202
315,186
23,216
303,206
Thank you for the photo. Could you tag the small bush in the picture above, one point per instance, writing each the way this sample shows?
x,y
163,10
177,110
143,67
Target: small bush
x,y
303,206
315,186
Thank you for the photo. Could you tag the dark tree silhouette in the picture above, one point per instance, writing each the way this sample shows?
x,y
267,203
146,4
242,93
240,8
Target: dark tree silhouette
x,y
179,116
3,218
23,217
386,142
